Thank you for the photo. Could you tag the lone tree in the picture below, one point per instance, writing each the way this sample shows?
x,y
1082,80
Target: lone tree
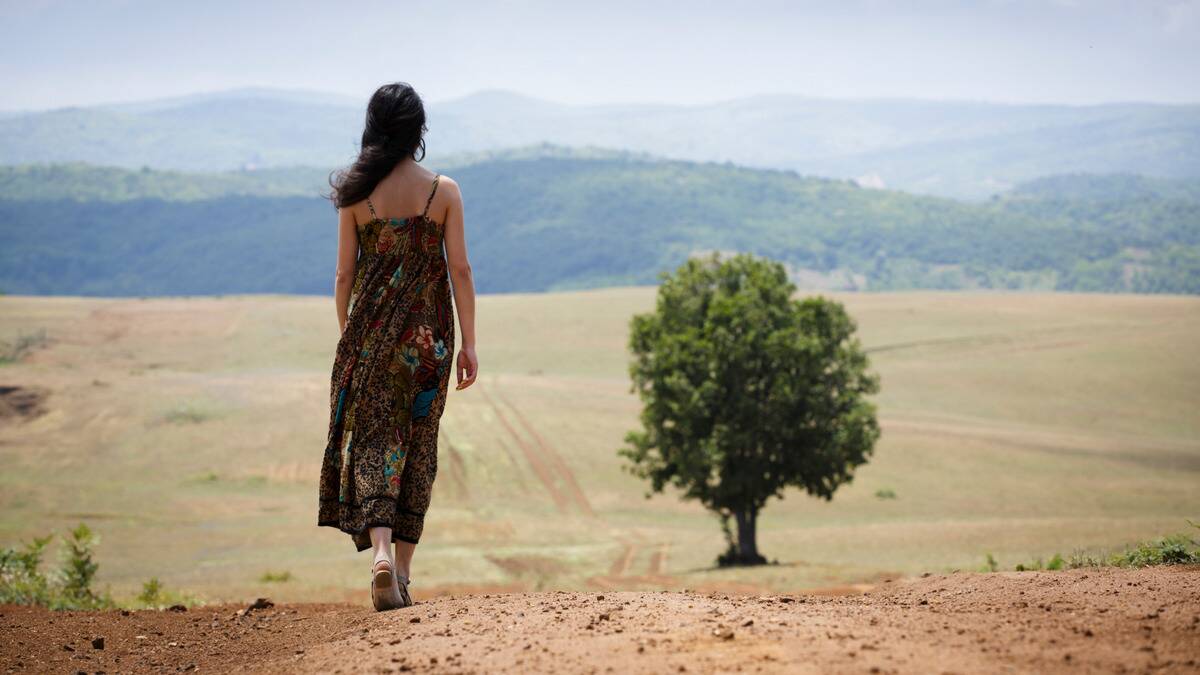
x,y
746,392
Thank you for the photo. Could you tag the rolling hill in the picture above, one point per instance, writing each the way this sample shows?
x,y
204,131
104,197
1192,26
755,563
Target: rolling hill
x,y
956,149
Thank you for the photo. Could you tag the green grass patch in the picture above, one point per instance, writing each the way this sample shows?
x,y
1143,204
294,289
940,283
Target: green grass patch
x,y
14,350
155,595
270,577
187,413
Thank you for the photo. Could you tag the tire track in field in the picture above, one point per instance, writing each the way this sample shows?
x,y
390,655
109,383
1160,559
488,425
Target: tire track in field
x,y
554,459
622,562
543,472
522,483
658,559
621,574
458,469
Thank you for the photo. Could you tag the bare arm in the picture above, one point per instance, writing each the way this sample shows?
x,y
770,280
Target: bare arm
x,y
347,260
463,284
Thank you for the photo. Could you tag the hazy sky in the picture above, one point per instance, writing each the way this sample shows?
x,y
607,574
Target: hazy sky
x,y
58,53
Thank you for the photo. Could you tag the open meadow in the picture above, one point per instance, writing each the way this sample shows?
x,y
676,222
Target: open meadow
x,y
188,433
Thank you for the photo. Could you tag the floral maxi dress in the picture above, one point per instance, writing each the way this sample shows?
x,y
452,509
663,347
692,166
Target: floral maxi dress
x,y
389,382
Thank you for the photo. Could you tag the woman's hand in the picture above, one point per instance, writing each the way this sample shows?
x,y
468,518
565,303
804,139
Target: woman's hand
x,y
468,363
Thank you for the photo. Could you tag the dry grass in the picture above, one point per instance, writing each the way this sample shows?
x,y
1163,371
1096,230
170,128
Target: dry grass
x,y
188,433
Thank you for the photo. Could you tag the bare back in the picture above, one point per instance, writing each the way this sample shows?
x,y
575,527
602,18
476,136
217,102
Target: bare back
x,y
404,193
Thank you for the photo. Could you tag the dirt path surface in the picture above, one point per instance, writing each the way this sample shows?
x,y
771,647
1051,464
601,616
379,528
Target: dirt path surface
x,y
1076,621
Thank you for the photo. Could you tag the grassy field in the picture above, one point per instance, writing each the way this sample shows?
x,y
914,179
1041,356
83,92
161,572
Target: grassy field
x,y
188,433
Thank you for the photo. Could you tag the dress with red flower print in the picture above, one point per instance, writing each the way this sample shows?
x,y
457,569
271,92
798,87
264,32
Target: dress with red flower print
x,y
390,377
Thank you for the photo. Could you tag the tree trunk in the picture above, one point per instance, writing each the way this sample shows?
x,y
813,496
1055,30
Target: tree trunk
x,y
747,537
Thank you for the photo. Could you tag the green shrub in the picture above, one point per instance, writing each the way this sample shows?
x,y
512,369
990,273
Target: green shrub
x,y
270,577
1080,559
78,570
1174,550
1178,549
885,493
152,591
1029,567
71,586
21,583
155,595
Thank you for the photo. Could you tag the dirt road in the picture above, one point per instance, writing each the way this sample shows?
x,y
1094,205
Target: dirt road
x,y
1097,620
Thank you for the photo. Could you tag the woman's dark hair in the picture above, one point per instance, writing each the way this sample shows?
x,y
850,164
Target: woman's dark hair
x,y
394,131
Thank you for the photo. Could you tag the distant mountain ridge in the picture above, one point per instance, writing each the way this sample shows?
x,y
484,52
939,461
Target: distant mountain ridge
x,y
555,218
958,149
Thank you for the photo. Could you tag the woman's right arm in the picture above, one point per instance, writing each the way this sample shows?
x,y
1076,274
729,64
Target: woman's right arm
x,y
463,284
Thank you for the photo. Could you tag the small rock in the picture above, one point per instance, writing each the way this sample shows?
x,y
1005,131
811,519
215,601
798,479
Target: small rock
x,y
68,648
177,608
98,642
415,619
747,623
723,632
261,603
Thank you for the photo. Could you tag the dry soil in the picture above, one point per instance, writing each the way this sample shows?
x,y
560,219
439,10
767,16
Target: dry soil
x,y
1093,620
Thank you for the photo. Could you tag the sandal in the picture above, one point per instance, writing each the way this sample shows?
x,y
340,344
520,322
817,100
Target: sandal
x,y
385,594
402,584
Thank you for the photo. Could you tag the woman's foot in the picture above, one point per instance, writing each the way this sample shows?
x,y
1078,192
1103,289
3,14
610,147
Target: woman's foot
x,y
385,591
402,583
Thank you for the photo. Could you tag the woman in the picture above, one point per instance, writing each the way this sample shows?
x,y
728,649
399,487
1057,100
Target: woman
x,y
400,244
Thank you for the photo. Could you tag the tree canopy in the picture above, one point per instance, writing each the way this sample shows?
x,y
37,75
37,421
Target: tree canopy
x,y
746,392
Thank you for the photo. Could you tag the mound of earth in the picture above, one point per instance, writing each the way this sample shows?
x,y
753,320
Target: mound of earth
x,y
19,403
1095,620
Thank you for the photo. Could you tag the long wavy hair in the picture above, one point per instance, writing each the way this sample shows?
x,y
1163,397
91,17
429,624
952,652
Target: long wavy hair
x,y
394,131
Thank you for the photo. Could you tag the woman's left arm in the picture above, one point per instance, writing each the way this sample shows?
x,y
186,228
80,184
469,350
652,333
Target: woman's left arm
x,y
347,260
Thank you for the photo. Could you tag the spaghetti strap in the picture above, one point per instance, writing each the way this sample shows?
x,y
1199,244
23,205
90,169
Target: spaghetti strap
x,y
431,194
372,207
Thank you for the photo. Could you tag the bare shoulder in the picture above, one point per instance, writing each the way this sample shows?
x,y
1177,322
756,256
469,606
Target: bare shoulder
x,y
449,185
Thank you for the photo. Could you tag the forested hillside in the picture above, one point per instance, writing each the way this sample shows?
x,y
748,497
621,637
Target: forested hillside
x,y
549,219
